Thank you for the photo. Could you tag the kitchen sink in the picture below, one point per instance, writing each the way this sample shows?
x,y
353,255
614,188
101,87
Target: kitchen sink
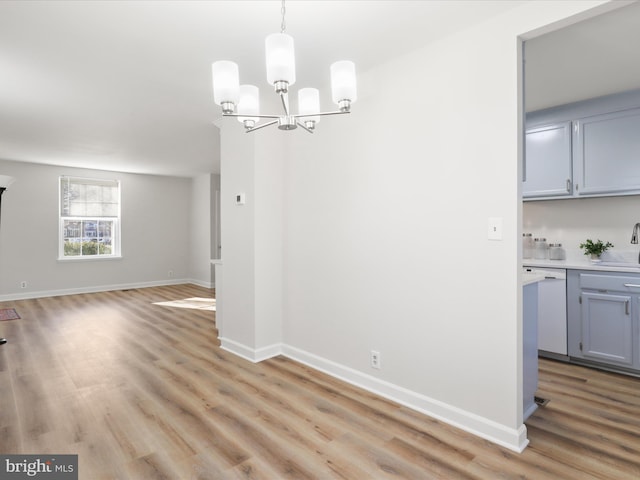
x,y
618,264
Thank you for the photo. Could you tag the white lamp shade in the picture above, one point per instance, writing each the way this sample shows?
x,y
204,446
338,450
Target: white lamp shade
x,y
343,81
281,62
226,84
309,102
249,103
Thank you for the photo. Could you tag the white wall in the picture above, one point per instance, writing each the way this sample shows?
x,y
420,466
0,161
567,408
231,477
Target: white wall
x,y
252,240
201,218
571,222
155,234
269,247
385,230
388,246
238,256
216,248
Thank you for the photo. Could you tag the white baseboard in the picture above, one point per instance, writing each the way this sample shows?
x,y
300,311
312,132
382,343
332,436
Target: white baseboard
x,y
93,289
200,283
251,354
511,438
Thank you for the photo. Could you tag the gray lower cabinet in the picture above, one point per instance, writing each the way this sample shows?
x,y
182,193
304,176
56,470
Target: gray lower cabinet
x,y
603,311
607,329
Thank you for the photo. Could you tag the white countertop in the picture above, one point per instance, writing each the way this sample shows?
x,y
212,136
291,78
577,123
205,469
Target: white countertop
x,y
578,264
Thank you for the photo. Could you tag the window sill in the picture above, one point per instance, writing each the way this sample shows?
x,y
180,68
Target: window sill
x,y
100,258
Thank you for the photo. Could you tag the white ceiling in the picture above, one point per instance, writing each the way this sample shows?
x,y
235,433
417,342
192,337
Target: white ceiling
x,y
594,57
125,85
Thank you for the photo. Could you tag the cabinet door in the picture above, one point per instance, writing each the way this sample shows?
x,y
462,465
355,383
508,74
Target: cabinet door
x,y
607,328
607,153
548,171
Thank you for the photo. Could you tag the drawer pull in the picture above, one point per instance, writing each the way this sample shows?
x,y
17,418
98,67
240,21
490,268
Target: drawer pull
x,y
632,285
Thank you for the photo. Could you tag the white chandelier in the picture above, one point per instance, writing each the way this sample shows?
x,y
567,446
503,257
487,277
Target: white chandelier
x,y
242,101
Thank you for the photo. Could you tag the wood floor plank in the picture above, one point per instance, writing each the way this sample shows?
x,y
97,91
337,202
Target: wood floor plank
x,y
439,464
378,461
143,392
153,466
285,460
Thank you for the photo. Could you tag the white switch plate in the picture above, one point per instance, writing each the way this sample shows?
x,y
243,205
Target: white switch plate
x,y
494,231
240,199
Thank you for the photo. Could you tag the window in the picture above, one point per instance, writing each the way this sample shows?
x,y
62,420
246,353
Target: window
x,y
89,218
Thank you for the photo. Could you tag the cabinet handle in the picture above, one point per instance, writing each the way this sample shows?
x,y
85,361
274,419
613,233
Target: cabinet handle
x,y
626,307
569,185
631,285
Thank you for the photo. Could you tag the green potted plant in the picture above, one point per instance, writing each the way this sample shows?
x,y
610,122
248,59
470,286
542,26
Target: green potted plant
x,y
595,249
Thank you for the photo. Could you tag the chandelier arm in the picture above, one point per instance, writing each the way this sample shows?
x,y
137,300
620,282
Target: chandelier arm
x,y
337,112
261,126
301,125
250,115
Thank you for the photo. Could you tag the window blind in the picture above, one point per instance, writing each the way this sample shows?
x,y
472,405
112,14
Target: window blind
x,y
81,197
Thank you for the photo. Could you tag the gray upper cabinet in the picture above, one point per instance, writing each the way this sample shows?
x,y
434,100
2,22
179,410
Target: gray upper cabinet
x,y
584,149
607,153
548,170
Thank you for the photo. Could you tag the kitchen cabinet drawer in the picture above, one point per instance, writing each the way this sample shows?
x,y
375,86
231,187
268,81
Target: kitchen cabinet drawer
x,y
614,283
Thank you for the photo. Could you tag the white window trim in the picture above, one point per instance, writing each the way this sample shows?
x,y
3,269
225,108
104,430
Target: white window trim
x,y
115,234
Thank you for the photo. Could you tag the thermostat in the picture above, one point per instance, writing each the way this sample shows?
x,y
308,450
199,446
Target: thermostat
x,y
240,199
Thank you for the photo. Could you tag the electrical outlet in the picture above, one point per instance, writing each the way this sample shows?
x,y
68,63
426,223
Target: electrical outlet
x,y
375,359
23,284
170,274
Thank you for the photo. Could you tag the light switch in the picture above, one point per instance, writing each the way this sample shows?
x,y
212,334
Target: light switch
x,y
494,231
240,199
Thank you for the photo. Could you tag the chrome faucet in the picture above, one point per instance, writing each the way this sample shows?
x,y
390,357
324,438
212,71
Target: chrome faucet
x,y
634,236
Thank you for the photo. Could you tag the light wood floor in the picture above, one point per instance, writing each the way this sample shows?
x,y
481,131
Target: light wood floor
x,y
141,391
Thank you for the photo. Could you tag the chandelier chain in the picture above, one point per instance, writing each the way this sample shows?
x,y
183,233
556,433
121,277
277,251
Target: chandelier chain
x,y
283,25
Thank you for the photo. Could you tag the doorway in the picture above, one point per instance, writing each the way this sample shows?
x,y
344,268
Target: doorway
x,y
586,60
